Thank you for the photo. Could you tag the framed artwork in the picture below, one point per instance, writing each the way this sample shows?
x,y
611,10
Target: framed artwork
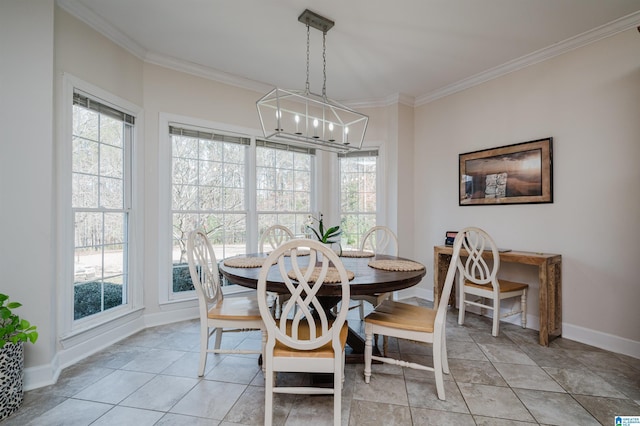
x,y
513,174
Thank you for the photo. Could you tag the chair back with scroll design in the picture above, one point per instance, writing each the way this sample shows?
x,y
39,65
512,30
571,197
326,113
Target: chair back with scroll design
x,y
273,237
217,313
308,338
414,323
478,278
379,240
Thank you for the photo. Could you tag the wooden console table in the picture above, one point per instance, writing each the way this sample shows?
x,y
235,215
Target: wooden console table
x,y
550,284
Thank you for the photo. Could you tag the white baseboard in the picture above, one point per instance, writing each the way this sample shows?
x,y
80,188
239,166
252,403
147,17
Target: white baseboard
x,y
587,336
601,340
171,316
79,349
42,375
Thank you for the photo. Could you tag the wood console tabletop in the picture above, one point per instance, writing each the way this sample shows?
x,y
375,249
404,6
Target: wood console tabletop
x,y
549,277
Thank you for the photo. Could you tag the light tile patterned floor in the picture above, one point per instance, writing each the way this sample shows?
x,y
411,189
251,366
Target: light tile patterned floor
x,y
151,379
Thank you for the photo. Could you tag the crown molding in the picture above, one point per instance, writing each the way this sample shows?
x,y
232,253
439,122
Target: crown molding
x,y
599,33
207,72
90,18
397,98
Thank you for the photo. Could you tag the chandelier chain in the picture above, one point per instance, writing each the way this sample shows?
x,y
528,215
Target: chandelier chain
x,y
324,65
307,84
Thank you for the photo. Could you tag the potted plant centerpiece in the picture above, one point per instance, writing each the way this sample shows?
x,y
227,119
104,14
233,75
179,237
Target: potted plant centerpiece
x,y
326,236
14,331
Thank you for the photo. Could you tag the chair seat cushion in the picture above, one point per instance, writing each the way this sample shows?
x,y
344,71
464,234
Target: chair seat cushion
x,y
505,286
324,351
236,308
403,316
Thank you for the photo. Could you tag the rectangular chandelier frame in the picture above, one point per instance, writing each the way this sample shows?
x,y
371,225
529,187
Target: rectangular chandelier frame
x,y
311,120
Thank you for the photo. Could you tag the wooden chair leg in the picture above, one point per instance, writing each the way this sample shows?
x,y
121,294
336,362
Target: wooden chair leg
x,y
461,309
268,400
204,347
368,353
496,318
523,306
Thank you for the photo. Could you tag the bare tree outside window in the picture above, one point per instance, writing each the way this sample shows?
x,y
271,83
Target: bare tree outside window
x,y
100,188
283,186
358,174
208,192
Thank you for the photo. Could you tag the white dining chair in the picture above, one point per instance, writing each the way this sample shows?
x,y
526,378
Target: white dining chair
x,y
414,323
271,239
217,313
311,339
378,239
478,278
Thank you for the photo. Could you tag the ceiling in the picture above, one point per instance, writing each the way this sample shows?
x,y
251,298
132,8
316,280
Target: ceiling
x,y
410,50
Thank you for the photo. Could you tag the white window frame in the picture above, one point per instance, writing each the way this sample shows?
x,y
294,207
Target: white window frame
x,y
312,182
165,259
72,331
381,214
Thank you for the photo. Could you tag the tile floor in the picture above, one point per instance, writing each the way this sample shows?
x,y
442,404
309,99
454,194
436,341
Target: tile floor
x,y
151,379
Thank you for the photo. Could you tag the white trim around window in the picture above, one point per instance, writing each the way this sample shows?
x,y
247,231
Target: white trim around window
x,y
165,261
73,333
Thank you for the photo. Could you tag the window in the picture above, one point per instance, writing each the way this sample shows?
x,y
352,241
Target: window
x,y
102,139
208,192
358,177
284,185
220,178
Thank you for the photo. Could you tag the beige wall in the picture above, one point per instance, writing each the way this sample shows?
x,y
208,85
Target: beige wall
x,y
90,56
27,200
406,184
588,100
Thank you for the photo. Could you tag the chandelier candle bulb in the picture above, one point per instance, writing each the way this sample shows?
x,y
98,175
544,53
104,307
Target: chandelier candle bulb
x,y
315,128
278,115
346,135
297,120
331,139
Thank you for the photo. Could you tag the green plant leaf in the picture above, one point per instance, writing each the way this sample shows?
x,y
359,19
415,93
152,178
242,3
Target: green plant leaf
x,y
4,313
332,229
13,328
316,233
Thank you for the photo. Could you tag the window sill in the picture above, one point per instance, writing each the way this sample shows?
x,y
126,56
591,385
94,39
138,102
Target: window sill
x,y
90,331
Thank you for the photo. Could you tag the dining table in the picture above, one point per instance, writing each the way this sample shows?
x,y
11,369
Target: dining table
x,y
398,273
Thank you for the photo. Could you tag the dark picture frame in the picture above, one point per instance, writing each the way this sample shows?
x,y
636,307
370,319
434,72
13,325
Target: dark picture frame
x,y
521,173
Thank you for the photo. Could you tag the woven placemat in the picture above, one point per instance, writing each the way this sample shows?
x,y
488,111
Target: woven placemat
x,y
300,253
356,253
396,265
244,262
332,275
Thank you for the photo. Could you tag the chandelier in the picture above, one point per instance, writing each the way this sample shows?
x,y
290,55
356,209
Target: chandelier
x,y
307,118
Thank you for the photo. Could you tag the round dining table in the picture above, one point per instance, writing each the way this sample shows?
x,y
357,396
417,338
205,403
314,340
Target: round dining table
x,y
367,281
